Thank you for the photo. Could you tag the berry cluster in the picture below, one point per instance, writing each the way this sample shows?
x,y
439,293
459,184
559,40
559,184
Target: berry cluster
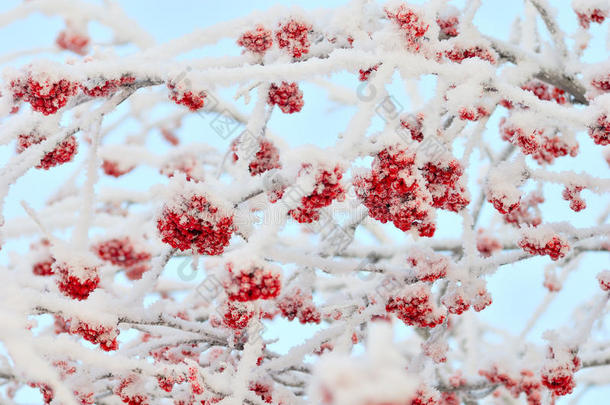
x,y
167,381
448,26
486,244
414,306
297,304
525,383
195,224
527,212
411,23
237,315
428,265
481,300
266,158
545,91
364,74
252,283
107,87
115,169
555,247
601,83
604,280
414,124
601,132
44,95
458,54
572,194
74,41
528,141
327,188
455,301
558,371
287,96
473,114
45,390
256,41
443,183
294,37
128,393
596,15
121,252
193,100
105,336
62,153
264,391
393,191
43,265
184,163
76,282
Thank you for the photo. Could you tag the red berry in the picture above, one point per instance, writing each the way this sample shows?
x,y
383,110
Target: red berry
x,y
74,281
193,100
195,223
63,153
394,192
601,132
294,37
414,306
256,41
252,283
115,169
327,189
74,41
45,95
105,336
266,158
410,22
604,280
551,245
297,304
120,252
287,96
106,88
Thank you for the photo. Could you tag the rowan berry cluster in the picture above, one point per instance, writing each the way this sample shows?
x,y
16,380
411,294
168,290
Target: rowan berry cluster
x,y
46,95
121,252
62,153
553,246
195,223
586,17
558,371
257,40
266,158
128,391
414,306
572,194
394,191
115,169
194,100
298,304
106,88
601,132
287,96
294,37
411,23
73,41
327,189
252,283
105,336
523,383
76,281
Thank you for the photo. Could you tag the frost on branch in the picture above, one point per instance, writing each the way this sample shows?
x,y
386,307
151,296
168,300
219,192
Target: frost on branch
x,y
225,236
